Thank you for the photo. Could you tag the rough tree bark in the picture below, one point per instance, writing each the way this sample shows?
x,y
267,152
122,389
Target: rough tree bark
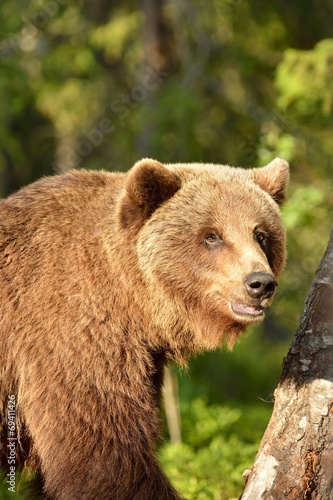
x,y
295,459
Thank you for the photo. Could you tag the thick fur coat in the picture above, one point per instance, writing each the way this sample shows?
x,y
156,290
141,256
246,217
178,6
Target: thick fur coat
x,y
105,277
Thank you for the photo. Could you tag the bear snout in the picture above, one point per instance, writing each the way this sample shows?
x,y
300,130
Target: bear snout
x,y
260,285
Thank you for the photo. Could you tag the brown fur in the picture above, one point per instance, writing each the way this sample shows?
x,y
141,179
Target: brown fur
x,y
104,277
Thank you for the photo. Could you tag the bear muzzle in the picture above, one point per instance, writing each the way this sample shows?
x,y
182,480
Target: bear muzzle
x,y
260,287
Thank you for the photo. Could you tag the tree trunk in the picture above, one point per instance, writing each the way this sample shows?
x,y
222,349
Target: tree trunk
x,y
161,57
171,405
295,459
66,157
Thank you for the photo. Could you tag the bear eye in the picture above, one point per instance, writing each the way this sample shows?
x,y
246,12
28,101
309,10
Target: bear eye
x,y
213,239
261,237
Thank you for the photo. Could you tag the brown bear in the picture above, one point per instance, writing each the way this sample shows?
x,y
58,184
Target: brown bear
x,y
104,278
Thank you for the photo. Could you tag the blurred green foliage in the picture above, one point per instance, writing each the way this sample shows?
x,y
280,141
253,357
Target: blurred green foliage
x,y
210,461
21,490
241,82
316,97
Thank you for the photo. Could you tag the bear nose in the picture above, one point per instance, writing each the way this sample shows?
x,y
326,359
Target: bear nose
x,y
260,285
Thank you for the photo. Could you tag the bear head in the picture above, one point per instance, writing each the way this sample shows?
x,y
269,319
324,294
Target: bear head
x,y
209,244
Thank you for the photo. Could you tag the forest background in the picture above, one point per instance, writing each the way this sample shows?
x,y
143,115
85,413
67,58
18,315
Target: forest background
x,y
99,84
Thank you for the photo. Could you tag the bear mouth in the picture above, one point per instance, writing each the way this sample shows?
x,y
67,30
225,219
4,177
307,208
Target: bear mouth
x,y
244,310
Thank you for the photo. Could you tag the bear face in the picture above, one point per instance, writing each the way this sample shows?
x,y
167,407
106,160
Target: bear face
x,y
210,244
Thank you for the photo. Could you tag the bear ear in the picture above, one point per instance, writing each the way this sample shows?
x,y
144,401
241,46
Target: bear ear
x,y
273,179
149,184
